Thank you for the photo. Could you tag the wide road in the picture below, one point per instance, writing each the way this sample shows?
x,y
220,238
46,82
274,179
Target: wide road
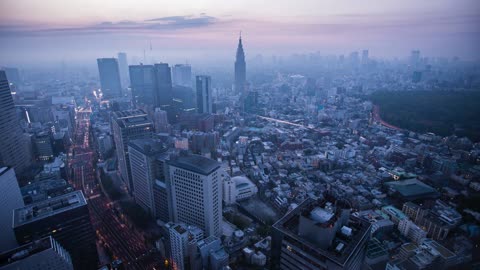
x,y
377,118
124,243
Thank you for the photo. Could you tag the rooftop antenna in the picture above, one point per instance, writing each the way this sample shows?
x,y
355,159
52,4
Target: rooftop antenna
x,y
144,56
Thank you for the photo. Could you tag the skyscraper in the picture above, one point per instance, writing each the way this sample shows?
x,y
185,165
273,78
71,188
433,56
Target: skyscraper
x,y
142,81
123,67
204,94
109,77
152,84
196,192
163,79
64,217
11,199
147,159
11,143
127,126
182,75
240,69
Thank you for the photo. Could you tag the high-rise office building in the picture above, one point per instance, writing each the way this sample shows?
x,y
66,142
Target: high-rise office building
x,y
163,80
180,238
147,161
160,121
240,69
127,126
320,234
11,144
123,68
151,84
45,253
109,77
204,94
196,192
11,199
66,219
182,75
142,81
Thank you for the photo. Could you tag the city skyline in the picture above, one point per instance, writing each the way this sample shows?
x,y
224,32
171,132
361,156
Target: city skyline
x,y
387,29
188,135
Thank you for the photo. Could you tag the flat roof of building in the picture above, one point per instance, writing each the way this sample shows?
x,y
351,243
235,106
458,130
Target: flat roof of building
x,y
148,146
50,207
195,163
289,224
395,212
411,187
21,252
131,118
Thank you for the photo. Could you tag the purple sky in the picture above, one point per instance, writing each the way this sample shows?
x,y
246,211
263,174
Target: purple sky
x,y
79,31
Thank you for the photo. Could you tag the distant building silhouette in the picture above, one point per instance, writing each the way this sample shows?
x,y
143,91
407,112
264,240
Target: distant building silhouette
x,y
240,69
109,77
123,67
152,85
182,75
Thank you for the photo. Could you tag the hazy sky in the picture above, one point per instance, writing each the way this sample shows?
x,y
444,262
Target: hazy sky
x,y
55,30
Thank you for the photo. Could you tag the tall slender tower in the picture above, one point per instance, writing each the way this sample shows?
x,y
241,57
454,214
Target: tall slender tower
x,y
240,69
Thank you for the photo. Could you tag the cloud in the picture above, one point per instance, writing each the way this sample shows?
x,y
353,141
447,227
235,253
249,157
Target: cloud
x,y
125,26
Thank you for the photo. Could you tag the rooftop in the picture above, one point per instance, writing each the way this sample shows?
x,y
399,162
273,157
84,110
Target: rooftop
x,y
131,118
289,225
148,146
195,163
411,188
50,207
394,212
26,250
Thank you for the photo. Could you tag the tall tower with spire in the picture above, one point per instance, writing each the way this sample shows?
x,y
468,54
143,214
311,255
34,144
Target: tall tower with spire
x,y
240,69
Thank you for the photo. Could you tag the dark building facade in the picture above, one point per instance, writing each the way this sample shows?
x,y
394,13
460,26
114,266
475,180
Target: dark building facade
x,y
11,143
67,220
152,85
109,77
